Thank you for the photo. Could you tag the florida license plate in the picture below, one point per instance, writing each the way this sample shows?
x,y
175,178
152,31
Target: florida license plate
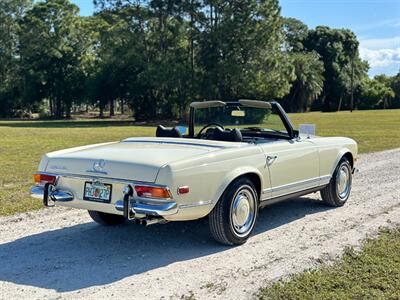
x,y
95,191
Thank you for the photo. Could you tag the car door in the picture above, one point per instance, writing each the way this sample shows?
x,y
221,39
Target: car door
x,y
293,166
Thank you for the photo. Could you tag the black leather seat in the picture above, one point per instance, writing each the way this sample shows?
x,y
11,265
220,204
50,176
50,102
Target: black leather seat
x,y
164,132
233,135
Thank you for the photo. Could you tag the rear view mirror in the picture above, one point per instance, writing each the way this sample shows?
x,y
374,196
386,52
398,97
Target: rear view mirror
x,y
238,113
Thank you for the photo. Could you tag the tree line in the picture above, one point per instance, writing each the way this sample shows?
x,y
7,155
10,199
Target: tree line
x,y
156,56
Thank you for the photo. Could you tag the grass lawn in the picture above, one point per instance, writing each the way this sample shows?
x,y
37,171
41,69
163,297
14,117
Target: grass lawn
x,y
22,143
374,130
373,273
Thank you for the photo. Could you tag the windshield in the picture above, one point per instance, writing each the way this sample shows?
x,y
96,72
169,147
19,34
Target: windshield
x,y
242,117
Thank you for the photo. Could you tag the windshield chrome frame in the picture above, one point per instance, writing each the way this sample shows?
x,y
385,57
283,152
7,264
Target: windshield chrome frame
x,y
292,132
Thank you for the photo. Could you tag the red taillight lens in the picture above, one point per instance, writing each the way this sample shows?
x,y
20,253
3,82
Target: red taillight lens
x,y
152,192
183,190
42,179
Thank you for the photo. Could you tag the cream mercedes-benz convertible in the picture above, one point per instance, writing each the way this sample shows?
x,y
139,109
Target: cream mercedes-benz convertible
x,y
235,158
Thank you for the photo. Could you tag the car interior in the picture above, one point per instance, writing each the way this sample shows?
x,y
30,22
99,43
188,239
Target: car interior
x,y
174,132
216,131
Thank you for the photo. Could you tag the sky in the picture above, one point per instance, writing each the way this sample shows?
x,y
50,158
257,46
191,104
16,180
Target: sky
x,y
375,22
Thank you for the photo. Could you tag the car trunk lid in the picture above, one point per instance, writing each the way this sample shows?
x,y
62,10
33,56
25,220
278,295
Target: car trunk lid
x,y
131,159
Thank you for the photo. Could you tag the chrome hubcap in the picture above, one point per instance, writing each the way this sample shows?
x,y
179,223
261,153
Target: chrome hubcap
x,y
343,181
243,211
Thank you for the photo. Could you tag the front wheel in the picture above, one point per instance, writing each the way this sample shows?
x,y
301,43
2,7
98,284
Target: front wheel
x,y
234,216
106,219
338,190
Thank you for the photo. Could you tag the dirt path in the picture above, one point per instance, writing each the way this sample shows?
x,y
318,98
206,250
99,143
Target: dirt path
x,y
60,253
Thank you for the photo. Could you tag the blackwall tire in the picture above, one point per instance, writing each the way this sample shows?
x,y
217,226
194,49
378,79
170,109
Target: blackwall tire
x,y
234,217
337,192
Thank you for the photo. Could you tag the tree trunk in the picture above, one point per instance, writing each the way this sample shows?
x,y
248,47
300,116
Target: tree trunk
x,y
101,107
293,107
59,111
51,107
340,102
112,108
122,106
68,111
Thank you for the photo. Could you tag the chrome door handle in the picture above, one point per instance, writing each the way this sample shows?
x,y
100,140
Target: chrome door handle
x,y
271,158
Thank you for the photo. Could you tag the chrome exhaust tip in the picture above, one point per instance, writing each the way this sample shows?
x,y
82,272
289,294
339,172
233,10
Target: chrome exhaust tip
x,y
148,222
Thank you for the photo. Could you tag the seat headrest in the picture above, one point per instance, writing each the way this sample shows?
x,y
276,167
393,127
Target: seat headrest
x,y
233,135
164,132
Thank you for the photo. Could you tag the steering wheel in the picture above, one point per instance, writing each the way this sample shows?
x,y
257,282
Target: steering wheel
x,y
209,125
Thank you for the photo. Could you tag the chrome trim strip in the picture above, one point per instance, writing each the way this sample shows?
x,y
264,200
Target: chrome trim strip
x,y
295,184
176,143
267,191
195,204
104,179
318,180
97,172
276,199
325,179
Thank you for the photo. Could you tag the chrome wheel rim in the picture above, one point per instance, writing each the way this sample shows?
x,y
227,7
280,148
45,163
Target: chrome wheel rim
x,y
343,181
243,211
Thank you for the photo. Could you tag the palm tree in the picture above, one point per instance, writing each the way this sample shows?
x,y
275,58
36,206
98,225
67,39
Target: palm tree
x,y
308,83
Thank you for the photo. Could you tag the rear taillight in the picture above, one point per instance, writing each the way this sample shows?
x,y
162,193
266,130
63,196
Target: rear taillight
x,y
42,179
152,192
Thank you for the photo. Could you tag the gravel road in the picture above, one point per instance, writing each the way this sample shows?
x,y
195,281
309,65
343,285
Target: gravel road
x,y
59,253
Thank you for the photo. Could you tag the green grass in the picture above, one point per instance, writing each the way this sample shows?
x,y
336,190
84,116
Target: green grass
x,y
373,273
22,143
374,130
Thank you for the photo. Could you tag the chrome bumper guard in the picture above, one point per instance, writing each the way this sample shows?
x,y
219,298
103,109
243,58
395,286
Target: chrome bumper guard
x,y
130,208
48,192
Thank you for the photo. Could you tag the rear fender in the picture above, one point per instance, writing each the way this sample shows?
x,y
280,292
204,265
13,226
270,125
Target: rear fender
x,y
231,176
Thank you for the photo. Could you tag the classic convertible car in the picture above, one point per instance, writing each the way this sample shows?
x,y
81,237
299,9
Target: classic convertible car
x,y
235,158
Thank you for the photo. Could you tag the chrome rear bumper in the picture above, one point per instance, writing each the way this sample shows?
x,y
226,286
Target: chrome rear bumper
x,y
55,195
165,209
153,209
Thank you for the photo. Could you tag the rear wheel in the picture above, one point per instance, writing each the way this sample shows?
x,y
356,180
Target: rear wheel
x,y
338,190
234,216
106,219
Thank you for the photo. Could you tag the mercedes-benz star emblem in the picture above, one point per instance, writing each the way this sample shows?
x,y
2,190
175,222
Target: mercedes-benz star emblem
x,y
99,165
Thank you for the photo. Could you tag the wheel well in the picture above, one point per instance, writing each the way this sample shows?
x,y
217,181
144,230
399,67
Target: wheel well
x,y
349,156
256,181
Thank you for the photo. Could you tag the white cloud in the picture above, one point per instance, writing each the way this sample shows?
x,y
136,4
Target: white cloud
x,y
378,44
380,57
382,54
388,23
